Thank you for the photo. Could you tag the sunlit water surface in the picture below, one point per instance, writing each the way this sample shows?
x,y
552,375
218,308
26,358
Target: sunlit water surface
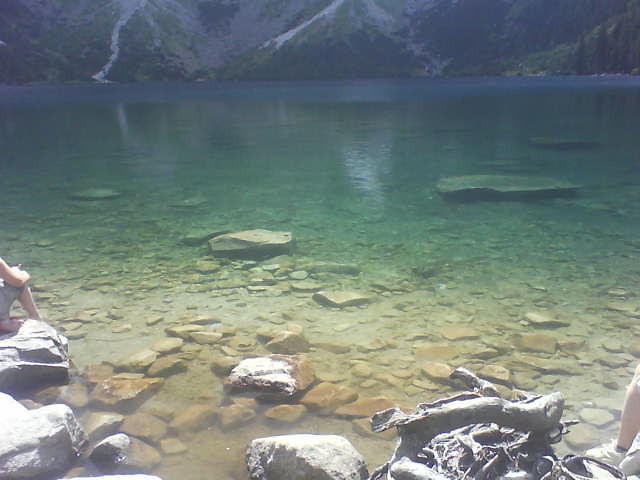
x,y
350,168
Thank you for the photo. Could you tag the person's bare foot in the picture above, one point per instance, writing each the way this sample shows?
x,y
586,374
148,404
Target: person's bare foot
x,y
10,325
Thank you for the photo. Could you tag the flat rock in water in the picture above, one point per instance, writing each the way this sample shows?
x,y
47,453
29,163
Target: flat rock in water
x,y
37,355
95,194
544,321
190,202
122,393
252,244
503,187
278,374
341,299
560,143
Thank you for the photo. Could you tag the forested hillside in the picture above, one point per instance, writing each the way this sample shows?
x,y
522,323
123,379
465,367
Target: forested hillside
x,y
164,40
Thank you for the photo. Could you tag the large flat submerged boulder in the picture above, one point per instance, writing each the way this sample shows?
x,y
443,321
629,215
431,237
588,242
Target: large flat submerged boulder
x,y
312,457
503,187
256,243
35,356
36,442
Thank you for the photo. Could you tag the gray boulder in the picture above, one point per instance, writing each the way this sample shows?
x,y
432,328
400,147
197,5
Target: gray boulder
x,y
36,442
252,244
312,457
112,451
405,469
36,355
276,374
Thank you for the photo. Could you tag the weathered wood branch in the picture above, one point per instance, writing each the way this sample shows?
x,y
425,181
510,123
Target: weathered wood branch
x,y
539,416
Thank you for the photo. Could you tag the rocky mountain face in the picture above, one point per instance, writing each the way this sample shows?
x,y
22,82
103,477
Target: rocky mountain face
x,y
139,40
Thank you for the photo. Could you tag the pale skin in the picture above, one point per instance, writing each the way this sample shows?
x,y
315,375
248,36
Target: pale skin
x,y
17,277
630,419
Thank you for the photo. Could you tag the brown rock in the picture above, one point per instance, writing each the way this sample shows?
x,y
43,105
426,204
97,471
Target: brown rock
x,y
326,397
276,374
365,407
138,362
168,345
97,373
495,373
172,446
438,372
118,393
205,338
182,331
193,418
142,456
361,370
435,351
145,427
286,413
536,342
222,366
341,299
167,366
234,415
288,343
459,333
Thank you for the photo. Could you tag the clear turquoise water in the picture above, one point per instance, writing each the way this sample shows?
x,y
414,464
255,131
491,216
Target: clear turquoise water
x,y
350,168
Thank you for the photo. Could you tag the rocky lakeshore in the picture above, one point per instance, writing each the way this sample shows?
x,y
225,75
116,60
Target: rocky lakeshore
x,y
176,384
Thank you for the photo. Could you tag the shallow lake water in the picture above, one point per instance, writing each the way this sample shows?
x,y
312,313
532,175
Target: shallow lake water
x,y
350,168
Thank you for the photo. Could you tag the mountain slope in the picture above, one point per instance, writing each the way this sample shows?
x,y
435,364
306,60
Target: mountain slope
x,y
139,40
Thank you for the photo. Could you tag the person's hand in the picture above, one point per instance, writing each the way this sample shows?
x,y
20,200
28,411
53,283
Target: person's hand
x,y
20,274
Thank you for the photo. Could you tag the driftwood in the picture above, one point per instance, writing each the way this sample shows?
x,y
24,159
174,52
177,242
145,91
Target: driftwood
x,y
476,435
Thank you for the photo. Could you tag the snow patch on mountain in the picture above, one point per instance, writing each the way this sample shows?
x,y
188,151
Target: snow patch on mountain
x,y
288,35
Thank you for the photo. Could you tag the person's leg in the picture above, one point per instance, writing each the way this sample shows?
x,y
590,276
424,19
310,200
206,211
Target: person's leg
x,y
630,419
26,300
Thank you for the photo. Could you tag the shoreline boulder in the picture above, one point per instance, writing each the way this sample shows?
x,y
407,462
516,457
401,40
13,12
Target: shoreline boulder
x,y
34,356
308,456
37,442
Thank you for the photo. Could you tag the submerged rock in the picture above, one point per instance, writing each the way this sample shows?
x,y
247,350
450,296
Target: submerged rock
x,y
503,187
312,457
560,143
123,392
36,355
95,194
341,299
252,244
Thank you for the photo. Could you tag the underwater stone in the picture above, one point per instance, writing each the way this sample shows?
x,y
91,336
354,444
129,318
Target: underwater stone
x,y
95,194
252,243
144,426
341,299
326,397
234,416
536,342
288,343
365,407
502,187
286,413
560,143
167,366
99,425
541,320
120,393
195,417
